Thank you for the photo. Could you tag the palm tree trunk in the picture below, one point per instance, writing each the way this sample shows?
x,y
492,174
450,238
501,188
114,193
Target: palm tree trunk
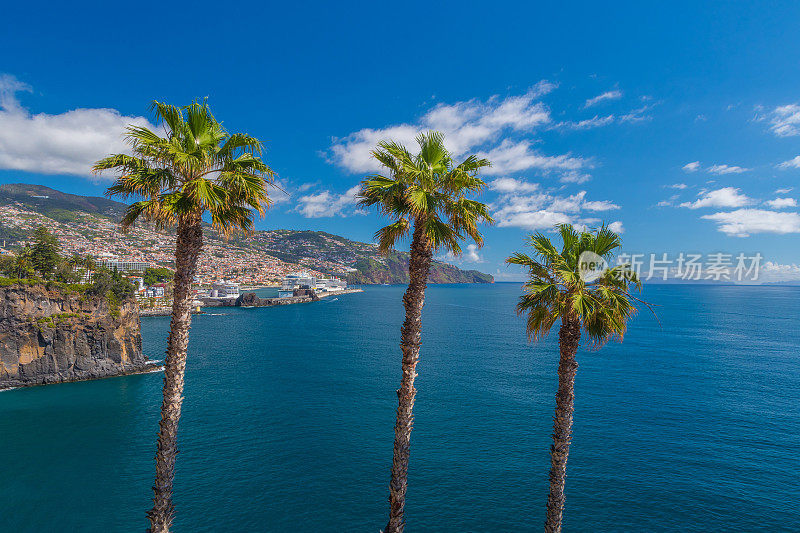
x,y
187,249
411,334
569,337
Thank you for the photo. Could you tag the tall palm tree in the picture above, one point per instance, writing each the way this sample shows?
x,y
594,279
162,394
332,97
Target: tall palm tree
x,y
196,168
427,195
600,305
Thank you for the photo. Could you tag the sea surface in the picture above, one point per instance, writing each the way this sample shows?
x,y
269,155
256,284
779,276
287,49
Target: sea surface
x,y
692,424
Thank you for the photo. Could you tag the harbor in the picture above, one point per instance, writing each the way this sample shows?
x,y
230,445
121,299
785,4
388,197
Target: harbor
x,y
295,288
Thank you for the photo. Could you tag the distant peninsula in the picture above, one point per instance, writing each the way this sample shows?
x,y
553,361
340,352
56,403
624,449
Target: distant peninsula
x,y
88,225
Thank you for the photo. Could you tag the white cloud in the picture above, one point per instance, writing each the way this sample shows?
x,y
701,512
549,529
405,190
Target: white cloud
x,y
668,203
600,205
307,186
594,122
510,157
65,143
616,227
726,169
744,222
792,163
637,115
280,191
781,203
785,120
466,126
694,166
605,97
725,197
327,204
777,272
785,190
679,186
574,176
542,210
469,254
507,185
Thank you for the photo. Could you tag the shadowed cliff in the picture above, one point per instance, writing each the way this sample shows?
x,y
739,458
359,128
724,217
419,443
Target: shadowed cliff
x,y
53,334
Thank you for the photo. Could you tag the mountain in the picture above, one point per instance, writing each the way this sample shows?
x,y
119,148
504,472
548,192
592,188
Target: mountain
x,y
88,225
359,262
394,269
58,205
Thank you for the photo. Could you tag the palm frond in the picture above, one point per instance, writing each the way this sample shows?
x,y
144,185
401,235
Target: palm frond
x,y
556,288
194,168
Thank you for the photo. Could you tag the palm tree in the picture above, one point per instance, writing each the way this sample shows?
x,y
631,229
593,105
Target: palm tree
x,y
196,168
600,305
426,195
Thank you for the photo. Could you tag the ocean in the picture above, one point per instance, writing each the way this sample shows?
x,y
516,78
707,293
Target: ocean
x,y
692,424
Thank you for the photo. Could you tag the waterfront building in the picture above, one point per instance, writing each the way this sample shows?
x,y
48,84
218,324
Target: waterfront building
x,y
224,290
302,281
297,280
331,285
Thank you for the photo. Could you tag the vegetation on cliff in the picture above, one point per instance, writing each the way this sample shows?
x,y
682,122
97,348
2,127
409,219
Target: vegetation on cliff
x,y
50,333
41,262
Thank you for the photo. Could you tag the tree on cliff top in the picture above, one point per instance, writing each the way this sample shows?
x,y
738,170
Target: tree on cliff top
x,y
197,168
427,195
44,254
151,275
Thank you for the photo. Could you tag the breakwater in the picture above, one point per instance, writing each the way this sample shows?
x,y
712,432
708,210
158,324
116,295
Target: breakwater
x,y
250,299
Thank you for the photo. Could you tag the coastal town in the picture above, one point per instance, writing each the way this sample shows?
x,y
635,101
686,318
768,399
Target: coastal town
x,y
225,268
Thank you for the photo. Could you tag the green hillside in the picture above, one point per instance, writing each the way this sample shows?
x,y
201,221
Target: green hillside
x,y
314,250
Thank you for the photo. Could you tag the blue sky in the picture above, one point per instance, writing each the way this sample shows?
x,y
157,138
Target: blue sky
x,y
679,122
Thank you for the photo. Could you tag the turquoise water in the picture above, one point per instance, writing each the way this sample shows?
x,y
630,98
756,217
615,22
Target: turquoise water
x,y
289,413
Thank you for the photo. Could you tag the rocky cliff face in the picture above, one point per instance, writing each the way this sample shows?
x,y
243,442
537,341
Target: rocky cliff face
x,y
393,268
52,335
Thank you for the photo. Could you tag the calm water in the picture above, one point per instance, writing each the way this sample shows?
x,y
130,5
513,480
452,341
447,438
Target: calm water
x,y
289,413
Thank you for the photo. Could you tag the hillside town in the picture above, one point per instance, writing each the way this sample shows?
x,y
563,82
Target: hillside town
x,y
223,270
141,247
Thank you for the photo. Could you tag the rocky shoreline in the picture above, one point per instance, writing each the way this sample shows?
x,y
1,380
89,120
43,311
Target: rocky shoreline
x,y
52,335
249,299
149,366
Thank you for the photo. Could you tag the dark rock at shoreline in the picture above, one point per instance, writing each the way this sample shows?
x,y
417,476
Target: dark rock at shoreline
x,y
52,335
250,299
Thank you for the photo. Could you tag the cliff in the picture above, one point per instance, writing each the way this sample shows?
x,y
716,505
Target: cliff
x,y
53,335
393,268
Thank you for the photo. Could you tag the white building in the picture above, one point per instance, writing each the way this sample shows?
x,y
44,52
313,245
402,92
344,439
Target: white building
x,y
112,262
224,290
298,280
331,285
302,280
156,291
